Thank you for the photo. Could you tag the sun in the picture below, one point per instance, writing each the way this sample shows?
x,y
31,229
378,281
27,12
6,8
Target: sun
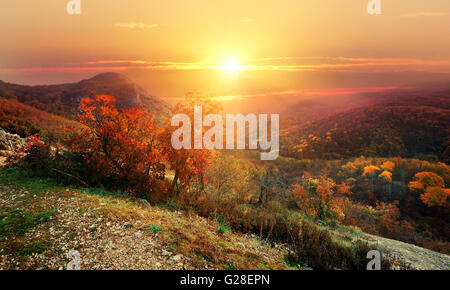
x,y
231,67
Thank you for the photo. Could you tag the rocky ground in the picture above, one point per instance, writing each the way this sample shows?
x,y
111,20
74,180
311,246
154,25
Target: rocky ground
x,y
416,257
113,233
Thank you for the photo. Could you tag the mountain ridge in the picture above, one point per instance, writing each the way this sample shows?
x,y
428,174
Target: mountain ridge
x,y
62,99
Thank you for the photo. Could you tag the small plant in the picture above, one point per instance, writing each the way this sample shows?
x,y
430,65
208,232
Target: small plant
x,y
101,191
171,247
223,228
154,228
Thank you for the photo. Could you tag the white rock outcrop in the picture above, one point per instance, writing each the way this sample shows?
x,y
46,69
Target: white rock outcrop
x,y
10,142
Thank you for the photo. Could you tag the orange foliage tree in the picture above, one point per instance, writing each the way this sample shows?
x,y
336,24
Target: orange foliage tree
x,y
432,188
321,198
435,196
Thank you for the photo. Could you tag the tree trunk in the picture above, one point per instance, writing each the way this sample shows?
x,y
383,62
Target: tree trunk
x,y
174,181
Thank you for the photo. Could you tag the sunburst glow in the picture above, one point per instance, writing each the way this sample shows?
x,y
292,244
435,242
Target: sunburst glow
x,y
232,67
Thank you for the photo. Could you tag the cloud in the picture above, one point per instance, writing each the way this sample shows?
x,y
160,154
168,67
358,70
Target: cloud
x,y
291,64
426,14
140,25
100,62
248,20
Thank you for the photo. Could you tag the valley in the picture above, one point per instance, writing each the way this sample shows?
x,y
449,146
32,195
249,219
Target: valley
x,y
374,166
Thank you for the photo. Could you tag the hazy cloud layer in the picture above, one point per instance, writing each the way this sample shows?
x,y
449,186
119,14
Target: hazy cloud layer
x,y
294,64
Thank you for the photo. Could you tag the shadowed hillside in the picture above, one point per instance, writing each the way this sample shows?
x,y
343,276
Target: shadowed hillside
x,y
63,99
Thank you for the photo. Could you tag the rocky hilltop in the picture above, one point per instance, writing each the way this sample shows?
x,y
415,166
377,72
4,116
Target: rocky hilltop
x,y
415,257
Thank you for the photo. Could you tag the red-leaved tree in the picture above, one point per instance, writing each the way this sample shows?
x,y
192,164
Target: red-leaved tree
x,y
118,146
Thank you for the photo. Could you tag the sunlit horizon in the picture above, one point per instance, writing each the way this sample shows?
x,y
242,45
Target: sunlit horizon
x,y
230,48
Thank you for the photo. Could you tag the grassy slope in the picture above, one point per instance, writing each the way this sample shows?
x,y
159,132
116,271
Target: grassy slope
x,y
41,222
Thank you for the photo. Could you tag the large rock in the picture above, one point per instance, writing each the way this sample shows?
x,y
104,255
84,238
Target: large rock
x,y
415,257
10,142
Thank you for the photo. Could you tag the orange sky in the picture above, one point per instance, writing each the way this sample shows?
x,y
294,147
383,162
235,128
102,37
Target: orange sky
x,y
173,46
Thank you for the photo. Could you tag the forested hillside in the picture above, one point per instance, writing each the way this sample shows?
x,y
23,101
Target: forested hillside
x,y
416,126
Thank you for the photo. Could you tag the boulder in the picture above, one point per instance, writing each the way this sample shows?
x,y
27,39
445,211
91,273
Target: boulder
x,y
10,142
143,202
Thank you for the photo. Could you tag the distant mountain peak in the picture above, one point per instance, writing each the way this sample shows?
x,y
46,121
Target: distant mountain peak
x,y
63,99
109,76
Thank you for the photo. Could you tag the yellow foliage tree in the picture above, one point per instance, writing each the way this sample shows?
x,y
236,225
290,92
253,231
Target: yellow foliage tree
x,y
386,175
432,187
370,170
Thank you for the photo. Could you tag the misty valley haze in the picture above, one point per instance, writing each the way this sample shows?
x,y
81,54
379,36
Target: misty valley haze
x,y
213,137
